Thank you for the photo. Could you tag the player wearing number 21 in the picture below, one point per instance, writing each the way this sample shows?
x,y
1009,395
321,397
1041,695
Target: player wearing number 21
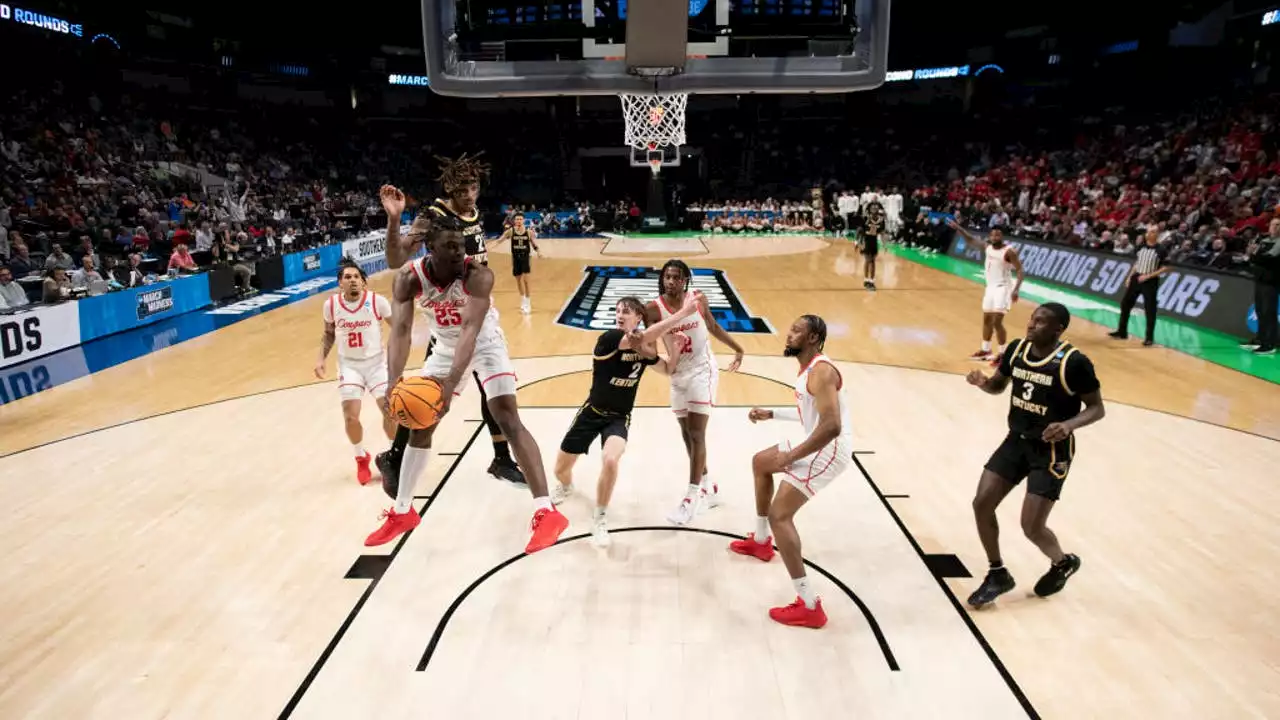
x,y
455,294
1051,380
353,320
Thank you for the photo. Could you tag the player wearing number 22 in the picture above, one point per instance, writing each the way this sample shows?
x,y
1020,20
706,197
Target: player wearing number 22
x,y
1051,380
455,294
353,321
621,355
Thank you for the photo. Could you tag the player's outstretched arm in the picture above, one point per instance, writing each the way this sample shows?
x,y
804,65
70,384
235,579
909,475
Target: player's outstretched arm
x,y
393,202
479,287
824,384
651,333
720,333
403,290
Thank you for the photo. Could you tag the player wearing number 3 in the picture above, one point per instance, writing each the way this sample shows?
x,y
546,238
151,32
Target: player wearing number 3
x,y
353,320
694,379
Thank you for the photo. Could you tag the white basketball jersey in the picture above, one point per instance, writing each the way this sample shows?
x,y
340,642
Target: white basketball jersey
x,y
807,404
358,326
693,340
444,305
999,269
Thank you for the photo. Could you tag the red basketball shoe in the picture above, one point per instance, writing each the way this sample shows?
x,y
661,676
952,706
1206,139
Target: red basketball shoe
x,y
363,475
396,524
797,615
547,526
748,546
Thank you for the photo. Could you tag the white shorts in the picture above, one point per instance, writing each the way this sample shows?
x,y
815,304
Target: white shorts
x,y
810,474
491,362
356,377
694,390
997,299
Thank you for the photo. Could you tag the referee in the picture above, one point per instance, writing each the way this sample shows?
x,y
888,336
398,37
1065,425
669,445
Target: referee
x,y
1144,280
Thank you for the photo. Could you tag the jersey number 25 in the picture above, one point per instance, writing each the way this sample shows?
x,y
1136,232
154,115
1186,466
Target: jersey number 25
x,y
447,316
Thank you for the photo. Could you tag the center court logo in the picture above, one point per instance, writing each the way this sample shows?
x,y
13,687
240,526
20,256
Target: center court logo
x,y
591,307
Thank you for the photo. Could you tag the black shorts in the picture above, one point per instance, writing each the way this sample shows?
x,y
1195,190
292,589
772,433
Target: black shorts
x,y
1044,465
590,423
870,246
520,264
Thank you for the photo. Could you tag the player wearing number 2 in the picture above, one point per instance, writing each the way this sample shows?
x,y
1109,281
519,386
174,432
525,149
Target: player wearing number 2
x,y
1051,380
694,379
621,355
353,320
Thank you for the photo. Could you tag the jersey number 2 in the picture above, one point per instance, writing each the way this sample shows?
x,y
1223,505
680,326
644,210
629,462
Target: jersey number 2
x,y
635,370
355,340
447,315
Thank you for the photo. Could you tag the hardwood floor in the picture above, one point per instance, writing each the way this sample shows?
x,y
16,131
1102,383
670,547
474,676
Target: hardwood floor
x,y
185,533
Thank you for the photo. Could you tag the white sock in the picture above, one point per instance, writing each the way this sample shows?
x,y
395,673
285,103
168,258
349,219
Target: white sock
x,y
805,592
598,515
415,461
692,492
986,346
762,529
542,503
1000,349
358,448
708,486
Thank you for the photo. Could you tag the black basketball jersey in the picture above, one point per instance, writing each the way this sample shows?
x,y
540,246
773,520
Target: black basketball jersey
x,y
615,374
520,242
1045,390
874,220
472,230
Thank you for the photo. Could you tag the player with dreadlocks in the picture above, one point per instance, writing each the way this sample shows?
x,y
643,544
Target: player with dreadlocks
x,y
460,179
694,379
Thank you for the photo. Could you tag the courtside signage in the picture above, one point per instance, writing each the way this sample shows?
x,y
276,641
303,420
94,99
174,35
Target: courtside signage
x,y
264,300
1219,301
591,307
47,329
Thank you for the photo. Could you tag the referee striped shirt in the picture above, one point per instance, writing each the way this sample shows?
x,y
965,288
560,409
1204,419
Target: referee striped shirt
x,y
1148,260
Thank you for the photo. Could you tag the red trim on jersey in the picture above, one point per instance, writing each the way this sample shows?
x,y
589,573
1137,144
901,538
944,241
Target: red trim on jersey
x,y
494,377
376,316
342,301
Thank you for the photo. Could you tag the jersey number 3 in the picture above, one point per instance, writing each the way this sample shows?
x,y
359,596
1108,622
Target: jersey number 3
x,y
1027,390
447,316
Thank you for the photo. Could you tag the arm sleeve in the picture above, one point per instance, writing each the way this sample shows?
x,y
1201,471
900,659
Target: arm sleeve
x,y
1081,379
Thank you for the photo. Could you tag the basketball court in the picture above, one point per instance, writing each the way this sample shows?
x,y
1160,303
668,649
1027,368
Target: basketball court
x,y
184,549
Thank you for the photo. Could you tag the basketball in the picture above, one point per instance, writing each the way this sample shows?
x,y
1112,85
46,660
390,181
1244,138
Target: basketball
x,y
415,402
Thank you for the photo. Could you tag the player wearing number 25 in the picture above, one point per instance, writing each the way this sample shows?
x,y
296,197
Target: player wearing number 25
x,y
353,320
1051,381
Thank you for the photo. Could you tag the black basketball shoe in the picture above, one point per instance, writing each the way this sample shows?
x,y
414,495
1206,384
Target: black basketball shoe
x,y
1056,579
389,466
506,469
997,582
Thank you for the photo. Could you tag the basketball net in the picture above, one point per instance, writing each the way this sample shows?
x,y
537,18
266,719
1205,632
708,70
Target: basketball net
x,y
656,119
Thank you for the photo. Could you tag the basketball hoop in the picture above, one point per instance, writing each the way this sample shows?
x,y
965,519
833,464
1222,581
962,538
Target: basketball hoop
x,y
656,119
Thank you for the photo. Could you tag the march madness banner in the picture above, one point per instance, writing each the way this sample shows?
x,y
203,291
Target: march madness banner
x,y
1214,300
591,307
